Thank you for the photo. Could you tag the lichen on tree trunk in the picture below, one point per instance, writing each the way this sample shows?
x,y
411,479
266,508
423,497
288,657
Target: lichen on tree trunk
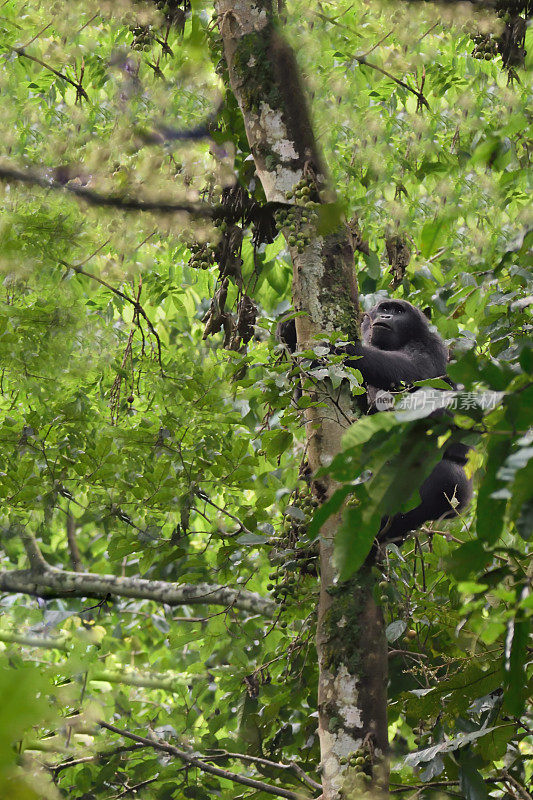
x,y
350,639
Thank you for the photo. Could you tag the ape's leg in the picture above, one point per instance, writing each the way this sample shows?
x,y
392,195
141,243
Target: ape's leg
x,y
445,485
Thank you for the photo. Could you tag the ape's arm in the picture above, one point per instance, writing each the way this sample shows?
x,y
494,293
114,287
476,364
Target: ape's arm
x,y
386,369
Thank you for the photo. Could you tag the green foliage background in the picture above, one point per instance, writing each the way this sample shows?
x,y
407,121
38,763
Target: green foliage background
x,y
94,428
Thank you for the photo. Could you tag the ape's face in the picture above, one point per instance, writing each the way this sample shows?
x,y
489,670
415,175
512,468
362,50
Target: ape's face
x,y
391,324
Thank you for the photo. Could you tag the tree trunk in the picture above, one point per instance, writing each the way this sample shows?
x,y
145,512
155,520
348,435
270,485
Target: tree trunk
x,y
350,639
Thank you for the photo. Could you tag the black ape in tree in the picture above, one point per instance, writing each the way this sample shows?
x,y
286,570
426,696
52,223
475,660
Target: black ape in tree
x,y
398,347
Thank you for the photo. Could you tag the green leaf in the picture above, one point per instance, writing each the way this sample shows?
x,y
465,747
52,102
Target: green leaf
x,y
324,511
468,559
364,429
433,236
22,704
515,673
355,537
372,264
275,443
395,629
329,217
470,780
490,506
461,743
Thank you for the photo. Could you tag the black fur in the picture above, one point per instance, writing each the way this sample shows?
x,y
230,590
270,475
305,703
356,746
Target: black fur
x,y
286,333
398,347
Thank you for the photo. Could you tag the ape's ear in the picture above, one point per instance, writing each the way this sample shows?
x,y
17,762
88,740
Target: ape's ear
x,y
427,312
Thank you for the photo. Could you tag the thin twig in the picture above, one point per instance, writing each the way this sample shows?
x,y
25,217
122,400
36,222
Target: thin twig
x,y
362,60
85,25
333,21
24,46
364,55
135,303
414,656
418,94
131,789
524,794
103,755
202,495
428,31
79,88
265,762
396,788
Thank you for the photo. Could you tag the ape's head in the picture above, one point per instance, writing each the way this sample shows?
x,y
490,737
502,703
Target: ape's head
x,y
392,324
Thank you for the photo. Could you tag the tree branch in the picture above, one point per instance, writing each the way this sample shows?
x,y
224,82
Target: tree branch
x,y
193,761
74,550
169,683
523,793
52,583
134,789
504,776
57,643
35,557
94,198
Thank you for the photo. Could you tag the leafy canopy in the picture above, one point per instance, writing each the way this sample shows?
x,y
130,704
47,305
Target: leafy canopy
x,y
171,458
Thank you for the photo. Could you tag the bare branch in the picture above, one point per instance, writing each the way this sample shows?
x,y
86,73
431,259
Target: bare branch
x,y
408,787
521,790
52,583
375,46
202,495
95,198
193,761
362,58
406,653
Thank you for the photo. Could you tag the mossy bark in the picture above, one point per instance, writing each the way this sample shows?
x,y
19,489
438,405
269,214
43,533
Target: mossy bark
x,y
351,646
